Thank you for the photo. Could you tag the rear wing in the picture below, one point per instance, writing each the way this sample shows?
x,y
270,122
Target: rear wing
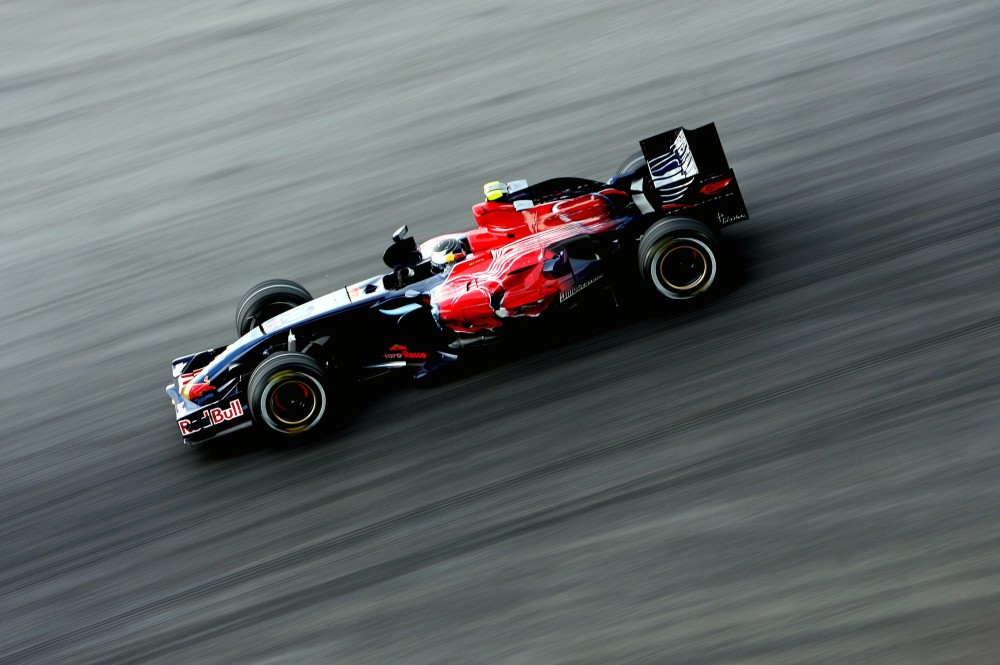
x,y
686,171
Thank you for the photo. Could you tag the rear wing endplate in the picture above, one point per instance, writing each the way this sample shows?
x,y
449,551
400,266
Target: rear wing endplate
x,y
682,167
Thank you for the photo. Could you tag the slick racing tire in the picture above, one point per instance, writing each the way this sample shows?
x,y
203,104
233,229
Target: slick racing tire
x,y
266,300
631,164
678,259
288,393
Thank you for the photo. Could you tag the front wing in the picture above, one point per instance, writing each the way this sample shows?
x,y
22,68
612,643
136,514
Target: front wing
x,y
227,412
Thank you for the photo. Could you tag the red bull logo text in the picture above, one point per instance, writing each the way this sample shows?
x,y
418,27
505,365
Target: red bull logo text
x,y
211,417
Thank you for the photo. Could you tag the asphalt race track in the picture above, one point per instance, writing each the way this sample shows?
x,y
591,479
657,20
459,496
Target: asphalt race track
x,y
805,471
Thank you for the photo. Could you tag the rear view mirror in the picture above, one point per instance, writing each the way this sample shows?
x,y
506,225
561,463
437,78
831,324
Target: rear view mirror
x,y
403,251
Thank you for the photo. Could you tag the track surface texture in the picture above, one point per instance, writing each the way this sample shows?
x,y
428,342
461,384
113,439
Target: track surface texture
x,y
804,471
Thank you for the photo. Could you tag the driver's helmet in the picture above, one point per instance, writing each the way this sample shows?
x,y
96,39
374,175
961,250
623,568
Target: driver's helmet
x,y
446,252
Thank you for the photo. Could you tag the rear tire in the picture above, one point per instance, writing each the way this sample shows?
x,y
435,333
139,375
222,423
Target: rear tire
x,y
678,259
631,164
267,300
288,393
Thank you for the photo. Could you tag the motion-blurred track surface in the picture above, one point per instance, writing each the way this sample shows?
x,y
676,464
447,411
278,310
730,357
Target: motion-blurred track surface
x,y
804,471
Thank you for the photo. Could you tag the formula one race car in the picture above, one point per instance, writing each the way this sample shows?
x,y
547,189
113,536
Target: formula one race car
x,y
653,229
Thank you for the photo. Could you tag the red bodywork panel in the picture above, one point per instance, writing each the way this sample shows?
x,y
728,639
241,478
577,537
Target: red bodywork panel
x,y
503,275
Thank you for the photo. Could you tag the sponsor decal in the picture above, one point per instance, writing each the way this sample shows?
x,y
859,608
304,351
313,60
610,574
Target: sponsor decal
x,y
210,417
218,415
729,219
323,304
476,261
671,165
191,390
291,316
711,188
362,290
565,295
400,352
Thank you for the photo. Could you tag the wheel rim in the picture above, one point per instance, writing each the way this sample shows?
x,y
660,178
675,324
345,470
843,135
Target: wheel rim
x,y
293,402
683,268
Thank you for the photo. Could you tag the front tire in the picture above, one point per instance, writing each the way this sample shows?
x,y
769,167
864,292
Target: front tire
x,y
267,300
288,393
678,259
